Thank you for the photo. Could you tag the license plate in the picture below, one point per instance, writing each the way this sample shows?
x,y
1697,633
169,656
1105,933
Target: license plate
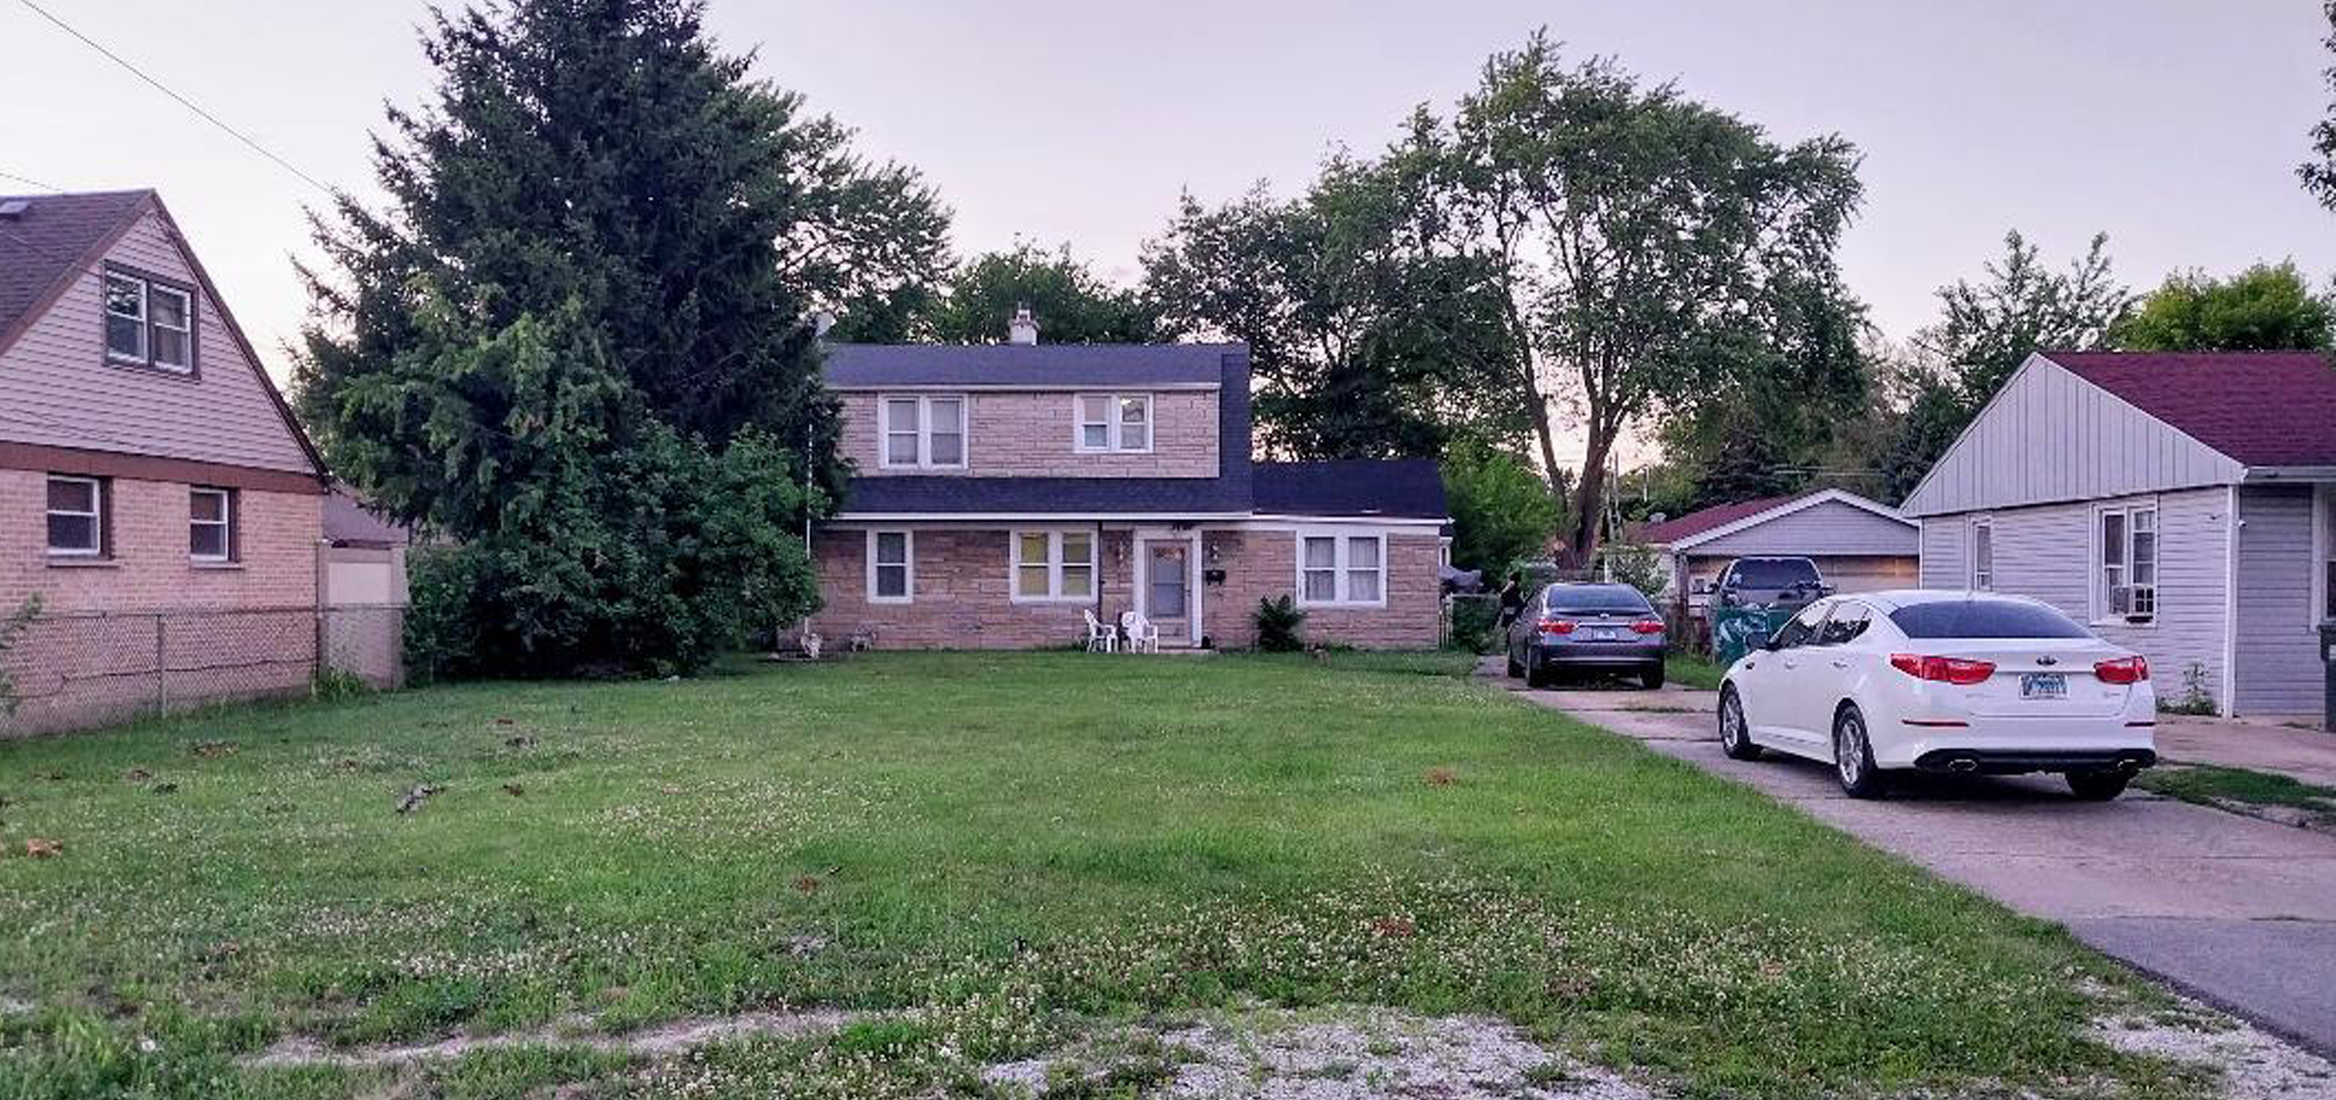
x,y
2044,685
1605,635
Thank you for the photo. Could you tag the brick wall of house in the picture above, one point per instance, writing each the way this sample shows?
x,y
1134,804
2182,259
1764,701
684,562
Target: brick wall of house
x,y
1032,434
1263,565
148,568
147,629
962,585
961,596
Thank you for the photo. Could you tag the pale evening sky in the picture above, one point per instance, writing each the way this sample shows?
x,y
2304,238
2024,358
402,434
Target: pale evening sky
x,y
2175,127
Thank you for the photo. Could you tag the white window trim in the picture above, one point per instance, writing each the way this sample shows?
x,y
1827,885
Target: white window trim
x,y
1112,423
145,317
2096,584
924,404
1987,524
1054,563
186,346
225,523
1341,567
96,516
908,549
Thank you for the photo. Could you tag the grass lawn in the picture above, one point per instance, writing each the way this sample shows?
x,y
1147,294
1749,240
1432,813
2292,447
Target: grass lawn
x,y
1693,671
2207,784
1011,849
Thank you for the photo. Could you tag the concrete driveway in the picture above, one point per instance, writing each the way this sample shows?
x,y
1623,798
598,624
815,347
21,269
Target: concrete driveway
x,y
2237,911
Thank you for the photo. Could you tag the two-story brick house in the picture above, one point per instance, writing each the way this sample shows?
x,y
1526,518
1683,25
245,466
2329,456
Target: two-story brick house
x,y
147,467
1003,489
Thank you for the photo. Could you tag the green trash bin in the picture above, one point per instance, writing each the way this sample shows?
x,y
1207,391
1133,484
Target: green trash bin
x,y
1736,631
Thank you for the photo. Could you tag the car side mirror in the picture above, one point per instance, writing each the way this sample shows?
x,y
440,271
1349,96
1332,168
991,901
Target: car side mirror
x,y
1771,644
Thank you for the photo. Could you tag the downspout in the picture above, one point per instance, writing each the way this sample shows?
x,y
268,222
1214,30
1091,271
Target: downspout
x,y
2230,601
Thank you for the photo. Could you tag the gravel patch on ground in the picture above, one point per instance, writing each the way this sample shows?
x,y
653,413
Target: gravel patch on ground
x,y
660,1041
1321,1054
2254,1065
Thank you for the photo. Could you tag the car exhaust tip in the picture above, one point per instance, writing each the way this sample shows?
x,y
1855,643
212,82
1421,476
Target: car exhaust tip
x,y
1962,764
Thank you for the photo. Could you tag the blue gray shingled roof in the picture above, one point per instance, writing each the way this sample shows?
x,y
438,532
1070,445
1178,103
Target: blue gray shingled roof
x,y
1400,488
861,366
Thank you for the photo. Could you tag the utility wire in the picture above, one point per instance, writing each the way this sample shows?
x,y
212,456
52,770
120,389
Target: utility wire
x,y
183,101
8,175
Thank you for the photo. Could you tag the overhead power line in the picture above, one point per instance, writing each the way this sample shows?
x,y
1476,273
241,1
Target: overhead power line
x,y
28,180
183,101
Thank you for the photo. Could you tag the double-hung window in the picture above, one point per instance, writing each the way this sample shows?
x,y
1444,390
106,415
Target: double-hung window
x,y
923,431
892,569
76,516
149,323
1054,565
1983,555
2127,580
1114,422
211,524
1342,569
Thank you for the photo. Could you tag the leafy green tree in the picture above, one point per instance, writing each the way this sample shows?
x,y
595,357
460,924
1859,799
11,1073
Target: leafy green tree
x,y
2319,173
1778,404
1645,247
1370,329
1072,305
2264,308
1502,512
575,342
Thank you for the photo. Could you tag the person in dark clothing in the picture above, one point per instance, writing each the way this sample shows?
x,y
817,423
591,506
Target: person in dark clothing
x,y
1512,600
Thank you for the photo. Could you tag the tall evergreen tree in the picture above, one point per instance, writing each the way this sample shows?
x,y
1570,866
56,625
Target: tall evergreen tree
x,y
575,342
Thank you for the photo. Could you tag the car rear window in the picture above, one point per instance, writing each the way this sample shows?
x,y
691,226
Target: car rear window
x,y
1984,619
1597,597
1774,574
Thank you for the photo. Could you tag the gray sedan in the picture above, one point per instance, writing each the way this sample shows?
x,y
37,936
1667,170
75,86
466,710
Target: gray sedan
x,y
1572,627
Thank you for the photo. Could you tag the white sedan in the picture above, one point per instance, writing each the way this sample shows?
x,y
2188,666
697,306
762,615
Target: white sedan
x,y
1943,682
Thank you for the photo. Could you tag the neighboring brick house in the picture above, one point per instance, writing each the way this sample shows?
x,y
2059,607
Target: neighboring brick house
x,y
1003,489
149,471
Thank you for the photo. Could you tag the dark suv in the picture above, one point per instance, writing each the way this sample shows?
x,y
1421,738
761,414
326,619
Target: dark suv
x,y
1783,583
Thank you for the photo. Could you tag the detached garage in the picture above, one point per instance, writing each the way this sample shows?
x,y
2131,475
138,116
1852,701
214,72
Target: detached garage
x,y
1860,545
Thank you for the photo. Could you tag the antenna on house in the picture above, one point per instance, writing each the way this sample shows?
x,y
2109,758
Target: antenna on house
x,y
1024,329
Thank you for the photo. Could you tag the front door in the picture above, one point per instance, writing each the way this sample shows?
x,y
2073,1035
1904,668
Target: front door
x,y
1167,589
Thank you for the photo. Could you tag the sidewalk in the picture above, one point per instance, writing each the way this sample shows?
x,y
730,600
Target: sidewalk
x,y
2254,744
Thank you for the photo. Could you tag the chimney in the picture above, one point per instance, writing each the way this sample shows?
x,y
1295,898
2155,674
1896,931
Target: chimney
x,y
1024,330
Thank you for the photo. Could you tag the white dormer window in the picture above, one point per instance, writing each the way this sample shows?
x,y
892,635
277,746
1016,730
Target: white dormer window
x,y
923,432
1111,422
148,322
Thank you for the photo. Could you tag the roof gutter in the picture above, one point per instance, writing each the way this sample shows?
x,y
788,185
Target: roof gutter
x,y
2258,474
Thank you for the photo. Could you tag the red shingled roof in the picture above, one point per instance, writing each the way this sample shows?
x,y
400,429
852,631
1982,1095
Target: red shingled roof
x,y
1718,515
2265,408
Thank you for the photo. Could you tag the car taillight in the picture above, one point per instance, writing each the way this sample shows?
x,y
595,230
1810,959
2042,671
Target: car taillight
x,y
1648,626
2123,670
1946,670
1557,626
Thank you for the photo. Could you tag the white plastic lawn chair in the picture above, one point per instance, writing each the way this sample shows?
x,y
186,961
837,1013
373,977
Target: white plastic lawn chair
x,y
1143,635
1100,638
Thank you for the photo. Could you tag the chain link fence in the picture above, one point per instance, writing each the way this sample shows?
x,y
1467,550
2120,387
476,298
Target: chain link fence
x,y
71,670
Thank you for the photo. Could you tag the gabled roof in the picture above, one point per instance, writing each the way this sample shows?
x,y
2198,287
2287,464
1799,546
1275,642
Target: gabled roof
x,y
55,239
1031,366
1396,488
1698,527
1069,497
2271,408
50,241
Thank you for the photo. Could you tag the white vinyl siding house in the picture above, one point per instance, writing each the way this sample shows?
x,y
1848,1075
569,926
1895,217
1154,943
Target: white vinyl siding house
x,y
2200,560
